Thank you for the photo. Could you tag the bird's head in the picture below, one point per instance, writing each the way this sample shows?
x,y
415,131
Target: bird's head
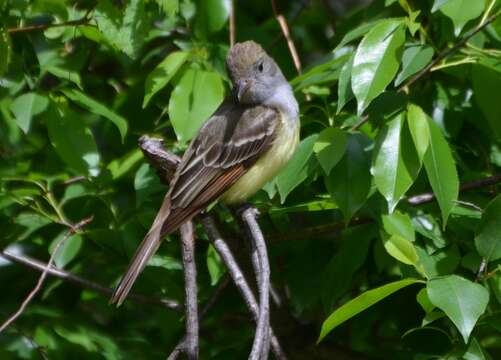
x,y
254,74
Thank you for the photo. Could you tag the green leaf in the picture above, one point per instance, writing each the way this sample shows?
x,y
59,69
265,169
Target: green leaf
x,y
211,17
195,97
414,59
441,170
68,250
65,74
488,236
5,49
360,303
474,351
165,262
486,84
294,173
401,249
337,277
124,29
330,147
462,11
32,222
344,91
163,73
146,183
72,141
423,300
356,33
169,7
26,106
437,4
399,224
214,265
376,61
324,73
349,181
99,109
396,164
417,121
441,262
462,301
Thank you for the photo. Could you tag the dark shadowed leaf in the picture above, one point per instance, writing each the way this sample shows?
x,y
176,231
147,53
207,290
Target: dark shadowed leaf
x,y
350,180
26,106
488,234
97,108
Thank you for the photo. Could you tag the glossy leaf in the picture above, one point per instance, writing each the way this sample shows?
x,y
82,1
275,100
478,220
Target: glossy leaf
x,y
330,147
462,11
417,121
488,236
26,106
349,181
376,61
344,91
463,301
401,249
396,164
360,303
441,170
195,97
97,108
162,74
414,59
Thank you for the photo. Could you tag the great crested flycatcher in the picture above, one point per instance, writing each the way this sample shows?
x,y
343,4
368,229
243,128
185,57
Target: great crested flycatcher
x,y
242,146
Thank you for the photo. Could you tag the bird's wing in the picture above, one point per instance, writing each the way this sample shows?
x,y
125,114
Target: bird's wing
x,y
224,148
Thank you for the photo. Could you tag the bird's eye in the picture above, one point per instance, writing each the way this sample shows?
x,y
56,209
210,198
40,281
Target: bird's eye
x,y
260,67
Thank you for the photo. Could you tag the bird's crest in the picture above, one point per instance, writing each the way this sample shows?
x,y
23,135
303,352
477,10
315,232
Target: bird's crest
x,y
242,56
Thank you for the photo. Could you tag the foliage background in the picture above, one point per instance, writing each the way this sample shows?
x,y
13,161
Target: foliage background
x,y
344,217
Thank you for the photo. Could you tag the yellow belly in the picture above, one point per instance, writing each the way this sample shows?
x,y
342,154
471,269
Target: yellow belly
x,y
268,165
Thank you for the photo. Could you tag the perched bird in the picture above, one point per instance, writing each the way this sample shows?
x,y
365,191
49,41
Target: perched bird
x,y
241,147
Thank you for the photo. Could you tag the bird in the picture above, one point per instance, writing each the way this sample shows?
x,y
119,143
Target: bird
x,y
246,142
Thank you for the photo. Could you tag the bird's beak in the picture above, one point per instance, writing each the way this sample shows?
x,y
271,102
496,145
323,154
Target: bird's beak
x,y
242,87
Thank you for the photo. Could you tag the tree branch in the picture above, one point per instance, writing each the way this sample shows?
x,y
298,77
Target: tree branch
x,y
73,230
238,278
71,278
260,347
190,279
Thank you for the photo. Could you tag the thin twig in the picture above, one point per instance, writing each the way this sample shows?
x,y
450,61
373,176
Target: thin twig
x,y
470,185
190,280
285,30
71,278
73,230
238,278
445,53
449,51
232,23
83,21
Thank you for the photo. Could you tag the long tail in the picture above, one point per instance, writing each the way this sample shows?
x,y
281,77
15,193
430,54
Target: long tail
x,y
165,222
